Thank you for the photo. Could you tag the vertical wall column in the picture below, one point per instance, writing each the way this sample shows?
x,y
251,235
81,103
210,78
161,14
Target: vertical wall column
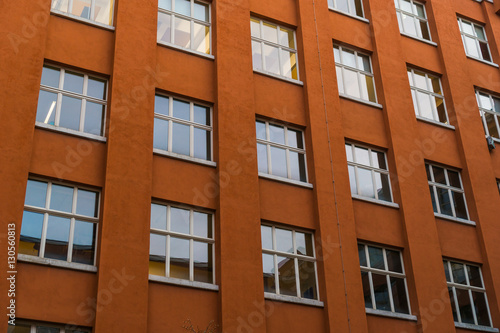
x,y
22,46
320,78
241,286
478,174
419,222
124,251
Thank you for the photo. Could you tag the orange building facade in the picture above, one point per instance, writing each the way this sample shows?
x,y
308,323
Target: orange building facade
x,y
264,166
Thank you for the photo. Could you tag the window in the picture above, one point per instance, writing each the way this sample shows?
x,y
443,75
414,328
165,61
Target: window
x,y
185,23
474,39
498,185
281,151
59,222
489,108
274,49
412,19
447,192
354,74
71,100
428,99
368,173
181,243
351,7
182,127
289,262
100,11
384,279
467,294
23,327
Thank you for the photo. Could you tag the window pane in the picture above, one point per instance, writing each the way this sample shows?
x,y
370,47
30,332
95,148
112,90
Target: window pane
x,y
182,32
56,245
481,308
298,166
61,5
304,244
348,152
295,139
201,115
458,273
96,88
162,105
378,160
36,193
84,242
255,27
81,8
446,271
364,63
266,237
352,179
467,28
203,262
307,278
366,290
441,110
362,255
409,25
179,258
382,186
181,109
183,7
370,86
202,225
433,197
72,81
19,328
277,134
485,53
365,182
287,279
180,138
201,11
348,58
453,304
406,6
471,47
271,59
50,76
362,156
179,220
165,4
424,29
46,110
381,292
31,233
41,329
454,179
257,55
202,144
86,203
284,241
394,261
278,162
70,113
286,38
479,32
420,81
164,27
201,38
359,8
491,124
399,295
464,306
61,198
103,11
474,276
157,254
343,6
160,139
262,157
270,32
444,201
439,175
94,114
268,269
289,64
340,80
376,257
459,202
425,106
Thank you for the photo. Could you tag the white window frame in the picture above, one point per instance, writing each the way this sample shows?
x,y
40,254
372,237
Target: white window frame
x,y
416,20
92,12
268,143
387,274
83,97
448,187
360,73
192,125
469,288
371,168
332,4
483,112
476,39
280,47
430,92
275,253
173,15
46,211
192,238
62,328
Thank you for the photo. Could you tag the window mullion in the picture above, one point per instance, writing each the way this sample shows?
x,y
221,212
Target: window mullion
x,y
276,272
71,239
457,309
167,257
92,10
44,235
372,292
389,290
297,276
191,260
